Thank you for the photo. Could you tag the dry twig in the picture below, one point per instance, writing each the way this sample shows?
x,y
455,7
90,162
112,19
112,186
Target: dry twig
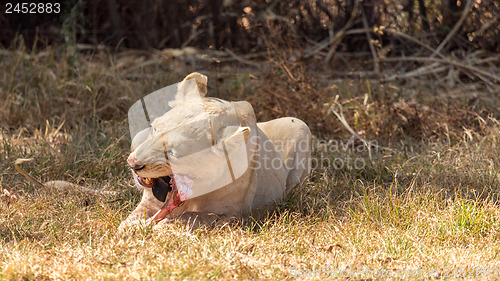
x,y
413,39
341,117
242,60
474,70
335,40
455,28
376,66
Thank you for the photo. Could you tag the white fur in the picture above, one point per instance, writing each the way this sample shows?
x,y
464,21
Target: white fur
x,y
275,161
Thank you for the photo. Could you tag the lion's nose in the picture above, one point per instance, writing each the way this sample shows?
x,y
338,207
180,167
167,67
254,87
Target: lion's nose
x,y
134,163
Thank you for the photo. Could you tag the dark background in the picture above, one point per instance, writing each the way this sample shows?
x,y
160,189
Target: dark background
x,y
245,26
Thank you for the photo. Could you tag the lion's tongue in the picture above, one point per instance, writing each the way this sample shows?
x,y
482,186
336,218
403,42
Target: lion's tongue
x,y
177,198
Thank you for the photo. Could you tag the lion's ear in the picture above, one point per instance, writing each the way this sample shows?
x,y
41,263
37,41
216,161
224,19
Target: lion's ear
x,y
233,133
244,131
191,89
201,82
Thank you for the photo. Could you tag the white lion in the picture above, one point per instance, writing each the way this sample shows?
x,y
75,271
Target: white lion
x,y
178,153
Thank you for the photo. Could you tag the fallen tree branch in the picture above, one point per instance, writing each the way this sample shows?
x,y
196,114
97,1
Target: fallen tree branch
x,y
421,71
242,60
450,62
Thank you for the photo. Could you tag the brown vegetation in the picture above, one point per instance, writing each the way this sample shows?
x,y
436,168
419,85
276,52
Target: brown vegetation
x,y
240,25
420,112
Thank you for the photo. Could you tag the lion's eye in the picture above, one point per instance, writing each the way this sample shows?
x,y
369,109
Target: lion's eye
x,y
170,152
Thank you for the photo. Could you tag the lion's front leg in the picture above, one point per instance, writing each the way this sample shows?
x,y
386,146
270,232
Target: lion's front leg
x,y
148,206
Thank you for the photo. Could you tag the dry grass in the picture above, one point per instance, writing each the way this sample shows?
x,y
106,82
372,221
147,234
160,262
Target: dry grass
x,y
428,198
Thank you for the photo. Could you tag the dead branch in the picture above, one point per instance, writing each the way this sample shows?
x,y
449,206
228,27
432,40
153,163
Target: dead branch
x,y
455,28
421,71
472,69
338,37
376,66
413,39
242,60
335,40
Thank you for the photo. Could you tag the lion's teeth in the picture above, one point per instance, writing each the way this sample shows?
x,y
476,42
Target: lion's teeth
x,y
148,180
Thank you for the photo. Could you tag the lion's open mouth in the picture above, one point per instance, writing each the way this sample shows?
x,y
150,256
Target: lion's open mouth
x,y
174,190
146,182
161,186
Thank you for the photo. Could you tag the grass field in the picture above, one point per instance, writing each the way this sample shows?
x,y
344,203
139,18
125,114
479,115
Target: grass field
x,y
423,203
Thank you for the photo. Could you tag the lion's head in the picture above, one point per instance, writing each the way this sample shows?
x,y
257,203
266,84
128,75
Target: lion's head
x,y
197,146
